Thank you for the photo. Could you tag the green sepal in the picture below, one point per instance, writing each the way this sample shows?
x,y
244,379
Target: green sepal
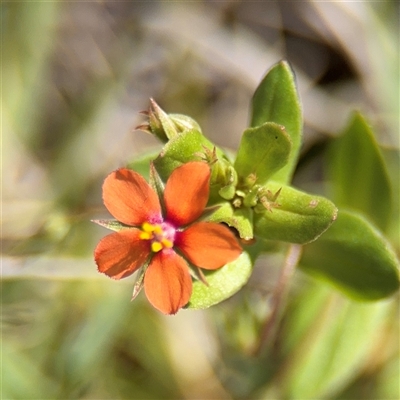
x,y
239,218
160,123
263,150
359,174
355,257
227,192
297,217
276,100
222,283
183,123
139,283
158,186
111,224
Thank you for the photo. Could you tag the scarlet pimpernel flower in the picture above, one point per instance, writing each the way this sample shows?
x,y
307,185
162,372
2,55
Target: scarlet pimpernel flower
x,y
164,233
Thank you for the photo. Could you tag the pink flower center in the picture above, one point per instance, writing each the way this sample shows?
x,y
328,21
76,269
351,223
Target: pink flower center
x,y
162,235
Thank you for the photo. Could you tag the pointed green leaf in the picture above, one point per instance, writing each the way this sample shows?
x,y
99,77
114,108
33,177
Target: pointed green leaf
x,y
359,175
299,218
239,218
355,257
222,283
263,151
276,100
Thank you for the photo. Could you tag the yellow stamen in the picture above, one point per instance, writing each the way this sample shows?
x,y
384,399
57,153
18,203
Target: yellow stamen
x,y
156,247
148,227
145,235
157,229
155,233
167,243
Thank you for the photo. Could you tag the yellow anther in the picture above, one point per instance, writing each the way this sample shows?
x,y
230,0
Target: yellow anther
x,y
156,234
145,235
147,227
167,243
156,246
157,229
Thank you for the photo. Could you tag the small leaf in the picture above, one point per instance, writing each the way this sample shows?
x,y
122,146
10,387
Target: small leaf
x,y
359,175
111,224
355,257
276,100
299,217
263,151
222,283
239,218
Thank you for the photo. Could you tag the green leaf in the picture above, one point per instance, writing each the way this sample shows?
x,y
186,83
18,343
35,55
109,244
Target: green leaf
x,y
276,100
299,218
181,149
263,151
222,283
355,257
239,218
359,175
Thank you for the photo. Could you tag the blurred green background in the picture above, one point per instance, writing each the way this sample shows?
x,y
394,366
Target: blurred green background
x,y
74,77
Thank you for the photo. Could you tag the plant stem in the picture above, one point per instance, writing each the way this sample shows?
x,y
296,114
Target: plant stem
x,y
291,261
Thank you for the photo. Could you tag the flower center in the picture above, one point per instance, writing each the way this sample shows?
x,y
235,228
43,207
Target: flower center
x,y
161,235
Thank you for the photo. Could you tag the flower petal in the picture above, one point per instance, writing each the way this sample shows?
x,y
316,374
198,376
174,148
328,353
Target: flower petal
x,y
130,199
208,245
120,254
167,282
186,192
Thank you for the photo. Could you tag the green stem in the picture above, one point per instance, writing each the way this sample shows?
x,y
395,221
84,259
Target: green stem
x,y
270,325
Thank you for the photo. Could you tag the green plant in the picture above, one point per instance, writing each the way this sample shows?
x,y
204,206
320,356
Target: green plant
x,y
251,193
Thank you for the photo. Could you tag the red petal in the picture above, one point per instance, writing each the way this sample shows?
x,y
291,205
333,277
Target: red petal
x,y
208,245
130,199
186,192
167,282
120,254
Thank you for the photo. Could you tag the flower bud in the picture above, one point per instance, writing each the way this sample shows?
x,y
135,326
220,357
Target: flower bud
x,y
166,126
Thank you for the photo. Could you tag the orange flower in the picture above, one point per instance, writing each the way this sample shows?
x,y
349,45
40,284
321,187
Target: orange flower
x,y
132,201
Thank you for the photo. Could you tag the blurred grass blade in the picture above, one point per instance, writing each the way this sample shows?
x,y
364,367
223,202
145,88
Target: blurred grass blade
x,y
359,175
355,257
276,100
333,348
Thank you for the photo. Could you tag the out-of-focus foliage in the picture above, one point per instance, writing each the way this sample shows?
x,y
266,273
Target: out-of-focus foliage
x,y
74,76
